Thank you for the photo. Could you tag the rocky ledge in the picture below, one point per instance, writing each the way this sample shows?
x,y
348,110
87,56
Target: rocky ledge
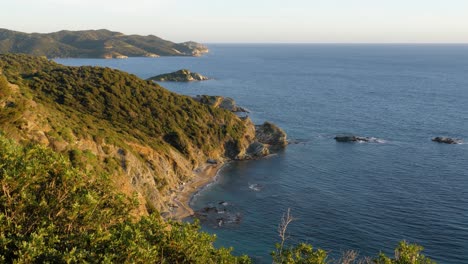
x,y
220,102
183,75
268,138
447,140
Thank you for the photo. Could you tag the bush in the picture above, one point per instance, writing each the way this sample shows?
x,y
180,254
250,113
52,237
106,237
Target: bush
x,y
53,212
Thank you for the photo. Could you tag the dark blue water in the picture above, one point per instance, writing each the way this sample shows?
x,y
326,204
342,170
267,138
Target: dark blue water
x,y
365,196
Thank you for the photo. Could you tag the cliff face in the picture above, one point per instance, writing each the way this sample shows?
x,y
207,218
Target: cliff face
x,y
150,140
94,44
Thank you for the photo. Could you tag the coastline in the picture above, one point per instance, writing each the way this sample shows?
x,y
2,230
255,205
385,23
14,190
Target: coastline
x,y
183,196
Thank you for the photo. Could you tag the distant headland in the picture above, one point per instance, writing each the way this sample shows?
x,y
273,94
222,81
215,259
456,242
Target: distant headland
x,y
101,43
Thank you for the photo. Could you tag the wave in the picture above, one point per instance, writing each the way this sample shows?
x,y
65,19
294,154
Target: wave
x,y
255,187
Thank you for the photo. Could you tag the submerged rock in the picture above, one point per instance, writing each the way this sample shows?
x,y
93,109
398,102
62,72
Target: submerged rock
x,y
220,102
183,75
222,215
447,140
351,138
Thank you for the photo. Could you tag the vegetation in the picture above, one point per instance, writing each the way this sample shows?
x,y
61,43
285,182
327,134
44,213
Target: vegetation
x,y
98,101
53,212
93,43
304,253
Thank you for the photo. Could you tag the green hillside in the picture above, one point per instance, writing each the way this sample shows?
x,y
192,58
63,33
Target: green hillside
x,y
112,121
94,44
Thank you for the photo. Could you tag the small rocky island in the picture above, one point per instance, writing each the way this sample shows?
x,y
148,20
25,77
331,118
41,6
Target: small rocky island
x,y
183,75
356,139
447,140
220,102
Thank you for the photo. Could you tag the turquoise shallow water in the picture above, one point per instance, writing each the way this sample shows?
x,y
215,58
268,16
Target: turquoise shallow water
x,y
365,196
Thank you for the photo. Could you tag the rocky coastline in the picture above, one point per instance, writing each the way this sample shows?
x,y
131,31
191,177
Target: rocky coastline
x,y
268,139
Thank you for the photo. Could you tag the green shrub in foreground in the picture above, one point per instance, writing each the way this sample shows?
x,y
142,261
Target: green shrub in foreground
x,y
52,212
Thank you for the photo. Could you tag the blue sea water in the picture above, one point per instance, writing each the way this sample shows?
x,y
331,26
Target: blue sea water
x,y
363,196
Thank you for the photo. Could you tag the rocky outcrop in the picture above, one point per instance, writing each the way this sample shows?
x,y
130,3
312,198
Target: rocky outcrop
x,y
257,150
351,139
223,214
357,139
447,140
271,135
195,48
183,75
220,102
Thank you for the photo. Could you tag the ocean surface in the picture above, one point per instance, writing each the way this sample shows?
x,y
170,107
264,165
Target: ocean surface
x,y
361,196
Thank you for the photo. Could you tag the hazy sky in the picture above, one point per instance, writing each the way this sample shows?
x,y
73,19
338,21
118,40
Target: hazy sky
x,y
349,21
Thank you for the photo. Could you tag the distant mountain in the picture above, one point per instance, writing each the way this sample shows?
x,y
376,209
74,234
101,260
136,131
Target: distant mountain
x,y
94,44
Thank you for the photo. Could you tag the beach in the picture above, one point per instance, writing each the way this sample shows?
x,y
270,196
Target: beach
x,y
182,197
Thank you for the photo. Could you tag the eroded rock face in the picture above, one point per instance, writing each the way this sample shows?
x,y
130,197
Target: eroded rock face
x,y
447,140
220,102
257,150
183,75
270,134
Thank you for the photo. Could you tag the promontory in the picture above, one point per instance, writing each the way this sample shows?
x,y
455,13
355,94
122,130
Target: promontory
x,y
100,43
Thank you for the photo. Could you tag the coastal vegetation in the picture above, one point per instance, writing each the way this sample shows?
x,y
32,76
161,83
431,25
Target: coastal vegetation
x,y
94,44
90,159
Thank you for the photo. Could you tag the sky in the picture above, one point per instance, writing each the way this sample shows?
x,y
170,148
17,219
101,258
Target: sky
x,y
250,21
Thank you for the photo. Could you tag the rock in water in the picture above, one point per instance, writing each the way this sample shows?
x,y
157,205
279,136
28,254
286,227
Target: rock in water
x,y
352,138
183,75
257,149
271,134
447,140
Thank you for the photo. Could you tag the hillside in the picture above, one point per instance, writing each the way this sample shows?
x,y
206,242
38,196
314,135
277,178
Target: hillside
x,y
105,120
94,44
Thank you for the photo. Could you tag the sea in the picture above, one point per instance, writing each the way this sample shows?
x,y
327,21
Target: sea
x,y
343,196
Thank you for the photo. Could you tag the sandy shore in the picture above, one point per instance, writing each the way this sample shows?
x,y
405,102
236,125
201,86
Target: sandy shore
x,y
182,197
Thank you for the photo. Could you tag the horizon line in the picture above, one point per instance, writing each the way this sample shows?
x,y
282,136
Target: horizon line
x,y
339,43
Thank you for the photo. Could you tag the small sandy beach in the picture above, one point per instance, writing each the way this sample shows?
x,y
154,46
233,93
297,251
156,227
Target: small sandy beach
x,y
182,197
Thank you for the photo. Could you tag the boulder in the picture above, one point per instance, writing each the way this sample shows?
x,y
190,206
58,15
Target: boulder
x,y
257,149
447,140
271,134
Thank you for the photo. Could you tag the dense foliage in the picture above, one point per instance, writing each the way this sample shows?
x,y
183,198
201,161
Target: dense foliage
x,y
98,101
92,43
52,212
302,253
